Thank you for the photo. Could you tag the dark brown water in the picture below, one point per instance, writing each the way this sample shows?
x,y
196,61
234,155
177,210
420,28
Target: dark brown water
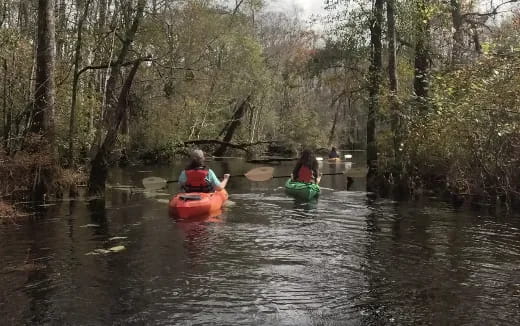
x,y
268,260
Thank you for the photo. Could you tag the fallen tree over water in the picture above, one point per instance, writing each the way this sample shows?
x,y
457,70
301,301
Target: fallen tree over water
x,y
246,147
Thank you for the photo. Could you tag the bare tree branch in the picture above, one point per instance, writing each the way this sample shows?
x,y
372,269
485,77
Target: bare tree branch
x,y
113,64
493,12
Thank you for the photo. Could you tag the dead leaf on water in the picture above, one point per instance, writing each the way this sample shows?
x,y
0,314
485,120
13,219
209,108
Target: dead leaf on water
x,y
117,248
117,238
96,252
90,226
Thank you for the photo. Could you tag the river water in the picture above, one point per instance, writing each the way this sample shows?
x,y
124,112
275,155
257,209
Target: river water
x,y
345,259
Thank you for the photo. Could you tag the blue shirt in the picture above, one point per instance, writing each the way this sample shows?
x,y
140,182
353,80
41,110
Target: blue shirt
x,y
211,178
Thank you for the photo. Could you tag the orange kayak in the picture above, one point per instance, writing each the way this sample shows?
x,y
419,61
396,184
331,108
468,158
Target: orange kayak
x,y
194,204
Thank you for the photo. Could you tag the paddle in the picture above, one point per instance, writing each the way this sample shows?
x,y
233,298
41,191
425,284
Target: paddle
x,y
257,174
263,173
266,173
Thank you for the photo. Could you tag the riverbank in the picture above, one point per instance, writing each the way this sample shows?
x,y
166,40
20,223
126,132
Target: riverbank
x,y
19,173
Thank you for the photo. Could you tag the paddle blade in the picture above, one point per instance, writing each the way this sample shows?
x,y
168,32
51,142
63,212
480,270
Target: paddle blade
x,y
263,173
154,183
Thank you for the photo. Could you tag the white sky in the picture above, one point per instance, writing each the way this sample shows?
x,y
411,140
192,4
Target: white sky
x,y
308,7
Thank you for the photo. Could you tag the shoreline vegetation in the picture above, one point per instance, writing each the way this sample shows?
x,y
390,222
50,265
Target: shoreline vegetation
x,y
429,90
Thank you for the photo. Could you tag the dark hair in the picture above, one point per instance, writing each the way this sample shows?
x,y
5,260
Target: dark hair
x,y
333,148
308,159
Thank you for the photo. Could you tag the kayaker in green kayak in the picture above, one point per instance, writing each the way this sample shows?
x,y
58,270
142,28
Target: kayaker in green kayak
x,y
306,169
197,178
305,178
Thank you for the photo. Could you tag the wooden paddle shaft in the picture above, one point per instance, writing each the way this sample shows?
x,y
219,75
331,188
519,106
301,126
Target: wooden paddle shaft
x,y
172,181
288,176
274,177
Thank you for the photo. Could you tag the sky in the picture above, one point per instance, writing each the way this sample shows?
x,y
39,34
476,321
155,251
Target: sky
x,y
308,7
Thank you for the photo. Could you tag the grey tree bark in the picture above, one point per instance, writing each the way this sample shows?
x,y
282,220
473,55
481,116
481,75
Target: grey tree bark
x,y
374,84
82,16
116,106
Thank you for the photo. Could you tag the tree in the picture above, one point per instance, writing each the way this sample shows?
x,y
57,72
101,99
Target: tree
x,y
44,91
42,117
82,16
422,54
116,106
392,73
376,59
458,39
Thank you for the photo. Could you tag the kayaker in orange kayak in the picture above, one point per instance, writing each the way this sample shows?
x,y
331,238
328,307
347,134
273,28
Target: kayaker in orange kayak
x,y
333,153
306,169
197,178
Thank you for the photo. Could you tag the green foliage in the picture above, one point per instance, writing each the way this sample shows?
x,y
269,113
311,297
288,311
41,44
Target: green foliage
x,y
206,58
472,138
307,129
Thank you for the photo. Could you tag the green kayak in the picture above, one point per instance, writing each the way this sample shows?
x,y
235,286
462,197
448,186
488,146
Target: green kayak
x,y
302,190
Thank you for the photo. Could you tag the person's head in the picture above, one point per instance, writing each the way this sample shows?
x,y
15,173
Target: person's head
x,y
333,148
307,157
197,159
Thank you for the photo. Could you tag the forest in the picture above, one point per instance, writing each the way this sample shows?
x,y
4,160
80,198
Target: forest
x,y
429,88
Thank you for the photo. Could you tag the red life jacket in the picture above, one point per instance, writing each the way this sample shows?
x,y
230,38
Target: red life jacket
x,y
196,181
305,174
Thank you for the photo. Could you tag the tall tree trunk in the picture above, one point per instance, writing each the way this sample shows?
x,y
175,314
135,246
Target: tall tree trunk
x,y
82,16
392,73
476,39
3,13
102,20
375,84
23,17
336,115
100,163
44,94
422,58
456,17
42,122
115,71
230,128
334,123
62,29
115,108
5,127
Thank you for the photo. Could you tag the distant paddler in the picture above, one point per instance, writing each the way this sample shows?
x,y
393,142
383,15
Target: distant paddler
x,y
333,154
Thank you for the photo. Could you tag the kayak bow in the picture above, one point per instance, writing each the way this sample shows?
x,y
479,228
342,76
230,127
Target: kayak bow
x,y
302,190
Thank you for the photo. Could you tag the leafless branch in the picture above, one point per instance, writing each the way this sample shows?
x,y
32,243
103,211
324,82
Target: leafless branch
x,y
493,12
113,64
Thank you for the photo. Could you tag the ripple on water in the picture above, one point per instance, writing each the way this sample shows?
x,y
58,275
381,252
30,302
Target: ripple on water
x,y
269,260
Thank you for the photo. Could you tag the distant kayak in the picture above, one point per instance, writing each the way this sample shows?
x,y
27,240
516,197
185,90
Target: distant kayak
x,y
334,159
195,204
302,190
